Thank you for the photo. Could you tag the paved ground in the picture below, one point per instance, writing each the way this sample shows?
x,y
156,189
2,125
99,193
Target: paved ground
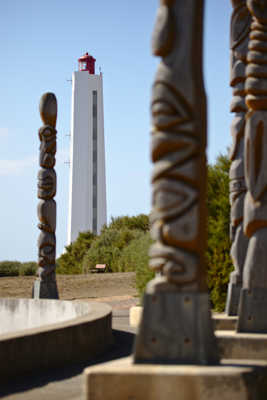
x,y
67,383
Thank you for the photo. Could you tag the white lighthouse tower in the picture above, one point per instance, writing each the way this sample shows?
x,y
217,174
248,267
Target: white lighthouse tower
x,y
87,194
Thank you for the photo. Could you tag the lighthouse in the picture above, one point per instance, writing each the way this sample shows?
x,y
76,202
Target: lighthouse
x,y
87,193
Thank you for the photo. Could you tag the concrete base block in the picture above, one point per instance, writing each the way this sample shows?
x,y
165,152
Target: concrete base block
x,y
176,328
135,315
223,322
121,380
45,290
220,321
249,346
252,311
233,297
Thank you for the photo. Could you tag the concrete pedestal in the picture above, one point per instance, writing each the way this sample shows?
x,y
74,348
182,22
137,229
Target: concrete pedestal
x,y
135,315
176,328
123,380
233,297
249,346
45,290
221,321
253,311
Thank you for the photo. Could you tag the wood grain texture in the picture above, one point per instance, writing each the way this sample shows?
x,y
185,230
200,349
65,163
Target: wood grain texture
x,y
255,210
256,126
47,185
240,28
178,109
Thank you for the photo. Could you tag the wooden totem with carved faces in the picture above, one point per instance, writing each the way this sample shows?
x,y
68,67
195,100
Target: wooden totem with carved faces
x,y
176,325
45,286
240,28
253,302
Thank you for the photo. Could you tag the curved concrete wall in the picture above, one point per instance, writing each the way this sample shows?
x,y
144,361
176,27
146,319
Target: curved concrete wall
x,y
45,333
20,314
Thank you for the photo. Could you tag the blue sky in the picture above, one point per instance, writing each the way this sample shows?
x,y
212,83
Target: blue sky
x,y
40,43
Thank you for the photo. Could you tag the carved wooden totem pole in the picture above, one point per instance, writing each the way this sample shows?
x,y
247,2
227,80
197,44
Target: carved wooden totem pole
x,y
240,27
45,286
176,325
253,302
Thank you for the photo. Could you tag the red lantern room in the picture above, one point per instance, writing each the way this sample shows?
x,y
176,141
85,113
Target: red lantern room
x,y
87,63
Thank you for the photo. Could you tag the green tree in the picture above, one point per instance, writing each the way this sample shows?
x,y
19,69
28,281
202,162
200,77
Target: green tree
x,y
130,255
139,222
140,257
9,268
28,268
219,264
70,262
107,248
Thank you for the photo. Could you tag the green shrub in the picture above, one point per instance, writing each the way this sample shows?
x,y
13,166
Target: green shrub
x,y
129,255
138,222
9,268
219,264
28,268
70,262
219,268
143,273
107,248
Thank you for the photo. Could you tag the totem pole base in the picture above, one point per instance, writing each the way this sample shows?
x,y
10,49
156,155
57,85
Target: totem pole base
x,y
44,290
231,380
252,311
176,327
233,296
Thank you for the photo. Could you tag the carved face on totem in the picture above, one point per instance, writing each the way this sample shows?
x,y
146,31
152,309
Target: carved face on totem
x,y
47,183
48,146
170,112
47,249
258,8
47,133
237,3
240,27
47,210
177,139
164,32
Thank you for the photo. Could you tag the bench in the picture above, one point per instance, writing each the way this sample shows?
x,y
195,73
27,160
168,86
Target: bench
x,y
99,268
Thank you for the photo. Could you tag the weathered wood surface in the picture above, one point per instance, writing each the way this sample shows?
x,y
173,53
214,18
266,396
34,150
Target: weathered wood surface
x,y
252,315
240,28
176,324
178,147
47,185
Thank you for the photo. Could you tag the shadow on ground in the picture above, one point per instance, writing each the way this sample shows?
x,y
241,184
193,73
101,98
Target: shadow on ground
x,y
122,347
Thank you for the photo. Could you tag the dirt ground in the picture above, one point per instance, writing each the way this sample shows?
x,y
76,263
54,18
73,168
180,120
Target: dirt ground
x,y
95,286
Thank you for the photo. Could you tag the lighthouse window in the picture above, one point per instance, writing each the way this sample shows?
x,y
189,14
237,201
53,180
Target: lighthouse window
x,y
95,194
83,65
